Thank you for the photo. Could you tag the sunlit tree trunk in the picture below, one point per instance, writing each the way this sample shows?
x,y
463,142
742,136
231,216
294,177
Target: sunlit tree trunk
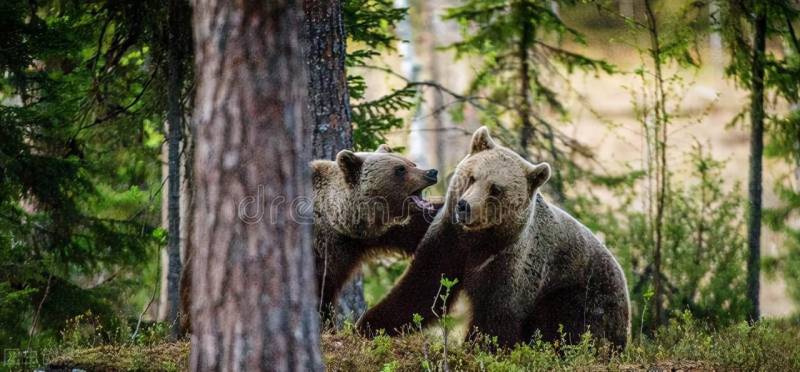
x,y
714,37
329,104
437,100
626,8
419,140
253,282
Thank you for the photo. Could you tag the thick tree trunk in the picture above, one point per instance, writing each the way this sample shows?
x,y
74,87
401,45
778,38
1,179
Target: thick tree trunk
x,y
328,98
756,154
253,279
329,104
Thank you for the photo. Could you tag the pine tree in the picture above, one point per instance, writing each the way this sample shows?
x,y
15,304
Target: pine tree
x,y
329,104
519,44
78,152
253,131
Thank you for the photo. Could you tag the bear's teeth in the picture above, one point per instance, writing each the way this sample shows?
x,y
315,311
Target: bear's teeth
x,y
422,203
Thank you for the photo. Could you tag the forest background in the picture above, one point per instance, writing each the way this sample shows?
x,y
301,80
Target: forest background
x,y
645,109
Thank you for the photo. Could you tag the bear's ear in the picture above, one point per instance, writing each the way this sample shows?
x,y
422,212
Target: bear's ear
x,y
350,164
537,175
384,148
481,140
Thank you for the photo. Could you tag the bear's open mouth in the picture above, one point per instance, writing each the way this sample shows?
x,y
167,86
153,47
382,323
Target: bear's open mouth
x,y
421,203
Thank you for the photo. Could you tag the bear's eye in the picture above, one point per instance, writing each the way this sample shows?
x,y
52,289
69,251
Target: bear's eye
x,y
471,180
399,170
495,190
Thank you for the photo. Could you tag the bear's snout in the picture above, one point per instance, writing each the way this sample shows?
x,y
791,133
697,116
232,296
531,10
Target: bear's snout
x,y
431,175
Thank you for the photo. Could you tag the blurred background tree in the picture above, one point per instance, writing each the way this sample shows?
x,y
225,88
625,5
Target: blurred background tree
x,y
81,118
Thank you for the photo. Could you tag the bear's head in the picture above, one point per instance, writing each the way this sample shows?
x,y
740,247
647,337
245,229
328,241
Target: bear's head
x,y
493,186
363,194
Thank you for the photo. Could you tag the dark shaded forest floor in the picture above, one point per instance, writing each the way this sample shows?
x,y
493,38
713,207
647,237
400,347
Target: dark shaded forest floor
x,y
684,344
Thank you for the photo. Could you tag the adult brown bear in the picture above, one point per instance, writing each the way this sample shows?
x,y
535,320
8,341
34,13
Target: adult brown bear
x,y
365,204
525,264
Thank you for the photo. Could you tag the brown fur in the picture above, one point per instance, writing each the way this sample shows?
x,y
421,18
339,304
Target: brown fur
x,y
362,208
345,234
524,264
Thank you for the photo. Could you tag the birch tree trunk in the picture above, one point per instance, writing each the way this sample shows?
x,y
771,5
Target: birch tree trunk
x,y
253,284
329,104
419,142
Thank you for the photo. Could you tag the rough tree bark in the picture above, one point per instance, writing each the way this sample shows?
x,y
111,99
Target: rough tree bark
x,y
329,104
253,278
756,155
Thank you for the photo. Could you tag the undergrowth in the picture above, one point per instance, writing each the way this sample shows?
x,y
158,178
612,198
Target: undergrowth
x,y
685,343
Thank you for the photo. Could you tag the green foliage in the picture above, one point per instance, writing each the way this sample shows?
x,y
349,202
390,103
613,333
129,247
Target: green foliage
x,y
381,345
379,278
369,24
782,69
519,45
77,163
705,248
446,321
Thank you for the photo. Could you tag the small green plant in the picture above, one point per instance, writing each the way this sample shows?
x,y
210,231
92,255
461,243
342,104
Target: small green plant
x,y
153,334
381,345
348,328
82,331
391,366
446,321
646,296
426,361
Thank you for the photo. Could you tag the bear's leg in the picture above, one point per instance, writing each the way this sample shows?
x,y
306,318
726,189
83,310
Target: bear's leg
x,y
610,318
418,289
607,303
496,322
558,314
575,310
334,267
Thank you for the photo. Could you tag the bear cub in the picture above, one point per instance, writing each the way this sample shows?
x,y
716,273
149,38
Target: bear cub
x,y
365,204
525,265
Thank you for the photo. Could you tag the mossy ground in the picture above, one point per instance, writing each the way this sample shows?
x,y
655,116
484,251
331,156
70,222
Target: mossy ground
x,y
682,345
